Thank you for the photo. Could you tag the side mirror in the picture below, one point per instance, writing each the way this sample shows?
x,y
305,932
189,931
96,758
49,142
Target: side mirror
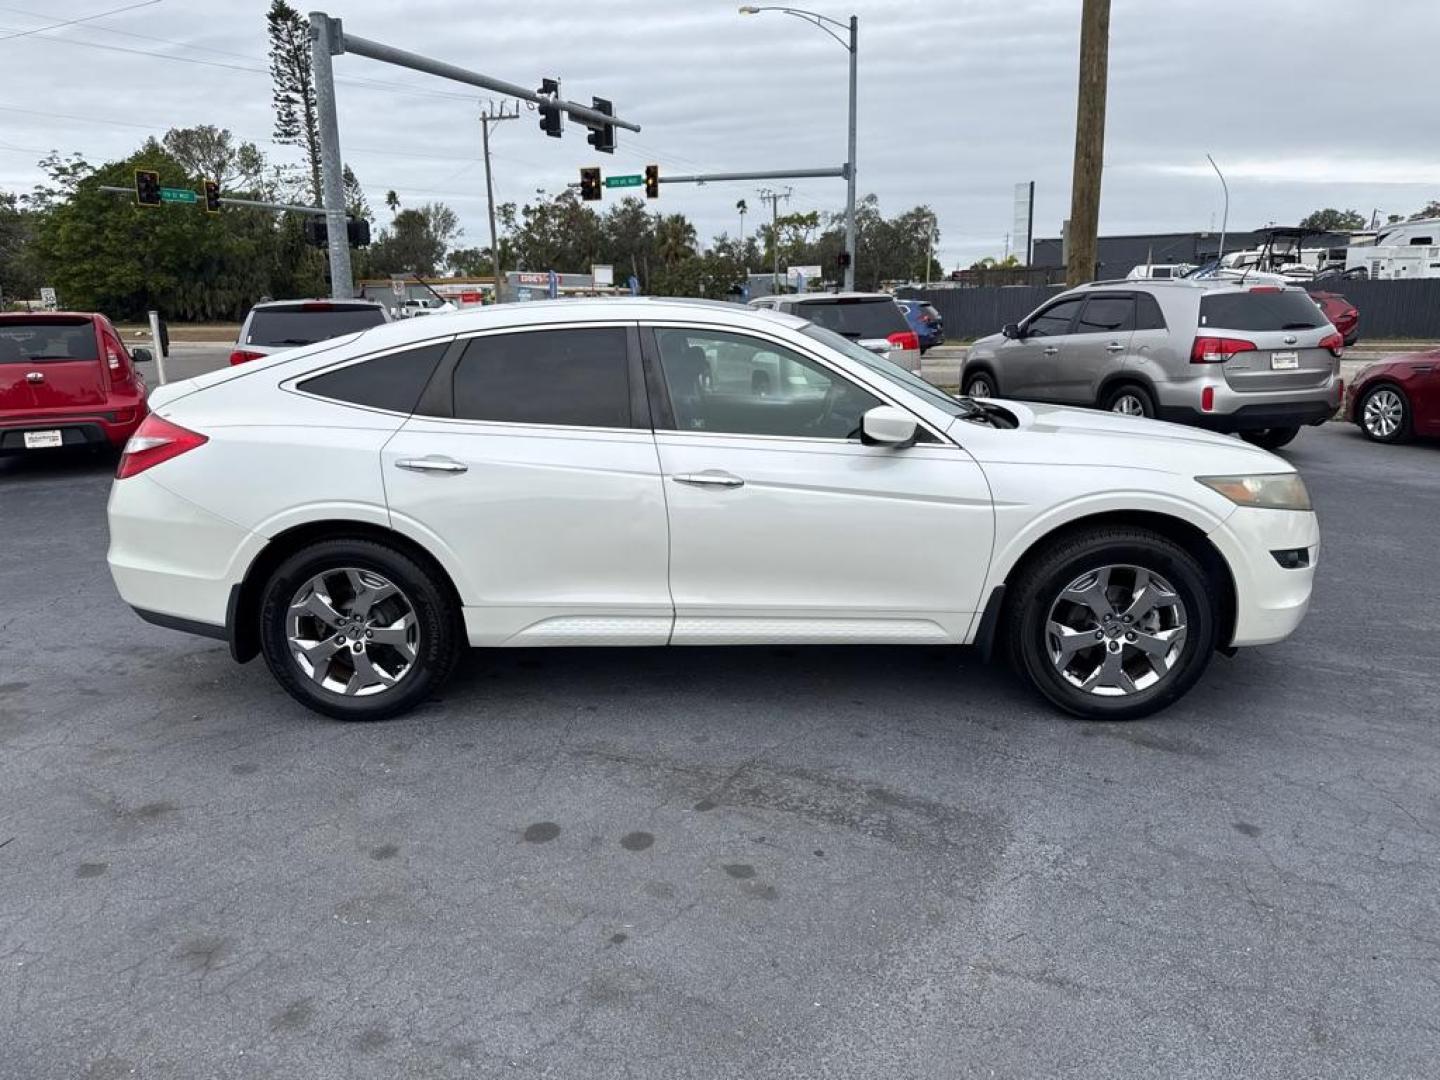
x,y
885,425
141,355
1011,330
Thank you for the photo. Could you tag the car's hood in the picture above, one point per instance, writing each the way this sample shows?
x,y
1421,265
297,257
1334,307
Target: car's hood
x,y
1054,434
988,342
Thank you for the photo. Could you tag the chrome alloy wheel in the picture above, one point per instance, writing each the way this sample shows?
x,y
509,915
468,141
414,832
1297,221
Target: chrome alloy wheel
x,y
1116,631
1129,405
980,387
1384,413
352,631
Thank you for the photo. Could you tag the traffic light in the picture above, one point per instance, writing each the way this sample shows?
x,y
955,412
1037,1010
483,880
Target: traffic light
x,y
357,231
652,181
603,136
147,187
317,232
590,183
212,196
551,120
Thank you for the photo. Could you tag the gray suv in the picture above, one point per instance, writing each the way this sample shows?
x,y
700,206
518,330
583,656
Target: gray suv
x,y
1259,360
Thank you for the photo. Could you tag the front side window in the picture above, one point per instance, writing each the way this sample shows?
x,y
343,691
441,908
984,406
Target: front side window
x,y
741,385
1107,315
393,382
1054,320
574,377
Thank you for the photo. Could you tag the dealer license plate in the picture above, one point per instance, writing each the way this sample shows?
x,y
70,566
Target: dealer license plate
x,y
1284,361
40,440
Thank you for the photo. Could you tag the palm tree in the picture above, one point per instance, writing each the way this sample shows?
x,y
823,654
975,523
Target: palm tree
x,y
675,239
392,201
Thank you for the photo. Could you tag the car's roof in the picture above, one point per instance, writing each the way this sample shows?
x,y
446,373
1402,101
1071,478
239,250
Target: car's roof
x,y
20,316
831,297
1191,284
318,301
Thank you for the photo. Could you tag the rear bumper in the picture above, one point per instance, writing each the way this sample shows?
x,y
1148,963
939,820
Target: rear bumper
x,y
1253,417
97,429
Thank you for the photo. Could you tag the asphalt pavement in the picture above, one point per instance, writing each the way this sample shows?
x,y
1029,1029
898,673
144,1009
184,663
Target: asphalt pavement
x,y
764,862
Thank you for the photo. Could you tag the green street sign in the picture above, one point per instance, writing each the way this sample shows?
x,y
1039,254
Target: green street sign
x,y
178,195
624,181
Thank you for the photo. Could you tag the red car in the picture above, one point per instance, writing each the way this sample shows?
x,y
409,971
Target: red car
x,y
1397,398
1343,315
66,379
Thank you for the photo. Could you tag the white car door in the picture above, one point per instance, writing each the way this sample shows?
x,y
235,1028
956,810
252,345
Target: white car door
x,y
783,525
530,463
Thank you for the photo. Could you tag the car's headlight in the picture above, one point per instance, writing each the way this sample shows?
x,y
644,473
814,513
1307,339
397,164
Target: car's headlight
x,y
1269,491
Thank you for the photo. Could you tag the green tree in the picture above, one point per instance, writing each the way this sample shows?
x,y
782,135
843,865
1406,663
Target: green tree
x,y
356,205
415,242
1429,210
1332,220
211,153
297,121
675,239
19,276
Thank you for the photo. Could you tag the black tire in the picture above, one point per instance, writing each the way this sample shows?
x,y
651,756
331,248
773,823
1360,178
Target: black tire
x,y
981,384
1068,559
1370,428
1270,438
1129,392
438,621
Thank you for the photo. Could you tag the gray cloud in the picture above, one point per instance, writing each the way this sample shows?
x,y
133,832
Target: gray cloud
x,y
959,100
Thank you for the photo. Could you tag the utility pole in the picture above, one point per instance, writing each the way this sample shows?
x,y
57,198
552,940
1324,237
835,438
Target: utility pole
x,y
493,116
322,47
773,198
1089,141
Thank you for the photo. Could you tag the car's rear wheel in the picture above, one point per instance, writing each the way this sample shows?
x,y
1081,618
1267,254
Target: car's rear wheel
x,y
1384,414
1130,400
1270,438
980,384
1113,623
358,630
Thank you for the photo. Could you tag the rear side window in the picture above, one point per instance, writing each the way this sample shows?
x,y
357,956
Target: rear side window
x,y
394,382
578,378
1107,315
35,341
1258,312
1147,313
305,324
855,319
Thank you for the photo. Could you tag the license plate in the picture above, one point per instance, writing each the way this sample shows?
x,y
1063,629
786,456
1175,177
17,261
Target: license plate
x,y
40,440
1284,361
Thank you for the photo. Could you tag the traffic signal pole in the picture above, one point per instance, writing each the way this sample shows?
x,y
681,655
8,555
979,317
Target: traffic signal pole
x,y
328,39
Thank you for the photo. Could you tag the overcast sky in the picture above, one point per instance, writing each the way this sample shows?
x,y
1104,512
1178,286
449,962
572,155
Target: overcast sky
x,y
1304,103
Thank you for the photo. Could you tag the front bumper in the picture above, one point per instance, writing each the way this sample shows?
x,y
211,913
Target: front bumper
x,y
1270,600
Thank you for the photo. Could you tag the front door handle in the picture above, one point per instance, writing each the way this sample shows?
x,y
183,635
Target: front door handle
x,y
432,464
1051,350
1114,346
709,478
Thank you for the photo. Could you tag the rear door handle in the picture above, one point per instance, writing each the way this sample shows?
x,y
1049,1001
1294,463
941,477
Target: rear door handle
x,y
434,463
1051,350
709,478
1114,346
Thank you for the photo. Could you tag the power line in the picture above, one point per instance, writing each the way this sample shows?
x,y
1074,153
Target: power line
x,y
72,22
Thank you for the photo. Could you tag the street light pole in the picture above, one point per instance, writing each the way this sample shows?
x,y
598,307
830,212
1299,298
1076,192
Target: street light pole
x,y
851,43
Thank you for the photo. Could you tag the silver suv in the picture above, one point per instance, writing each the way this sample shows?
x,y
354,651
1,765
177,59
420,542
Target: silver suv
x,y
1259,360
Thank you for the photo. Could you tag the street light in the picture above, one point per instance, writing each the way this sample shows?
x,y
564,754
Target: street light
x,y
852,29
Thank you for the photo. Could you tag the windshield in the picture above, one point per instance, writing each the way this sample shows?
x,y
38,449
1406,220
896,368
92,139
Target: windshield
x,y
305,325
46,339
952,406
855,318
1260,310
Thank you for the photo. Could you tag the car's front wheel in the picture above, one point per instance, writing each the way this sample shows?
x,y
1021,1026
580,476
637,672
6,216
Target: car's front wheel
x,y
358,630
981,384
1384,414
1113,623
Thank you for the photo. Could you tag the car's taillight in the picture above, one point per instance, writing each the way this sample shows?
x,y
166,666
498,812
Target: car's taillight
x,y
112,356
1265,289
1216,350
1335,343
240,356
155,441
905,339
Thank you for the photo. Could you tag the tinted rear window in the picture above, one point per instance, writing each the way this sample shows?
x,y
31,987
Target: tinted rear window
x,y
394,382
855,318
574,377
1259,312
305,325
40,340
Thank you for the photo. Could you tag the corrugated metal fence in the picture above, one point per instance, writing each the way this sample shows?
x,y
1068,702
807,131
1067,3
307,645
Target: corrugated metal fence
x,y
1388,309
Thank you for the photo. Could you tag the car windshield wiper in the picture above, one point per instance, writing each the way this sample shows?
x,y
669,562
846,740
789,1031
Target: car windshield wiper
x,y
294,341
56,356
1298,326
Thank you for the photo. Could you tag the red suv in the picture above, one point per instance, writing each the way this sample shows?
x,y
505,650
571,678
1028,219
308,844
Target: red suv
x,y
66,379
